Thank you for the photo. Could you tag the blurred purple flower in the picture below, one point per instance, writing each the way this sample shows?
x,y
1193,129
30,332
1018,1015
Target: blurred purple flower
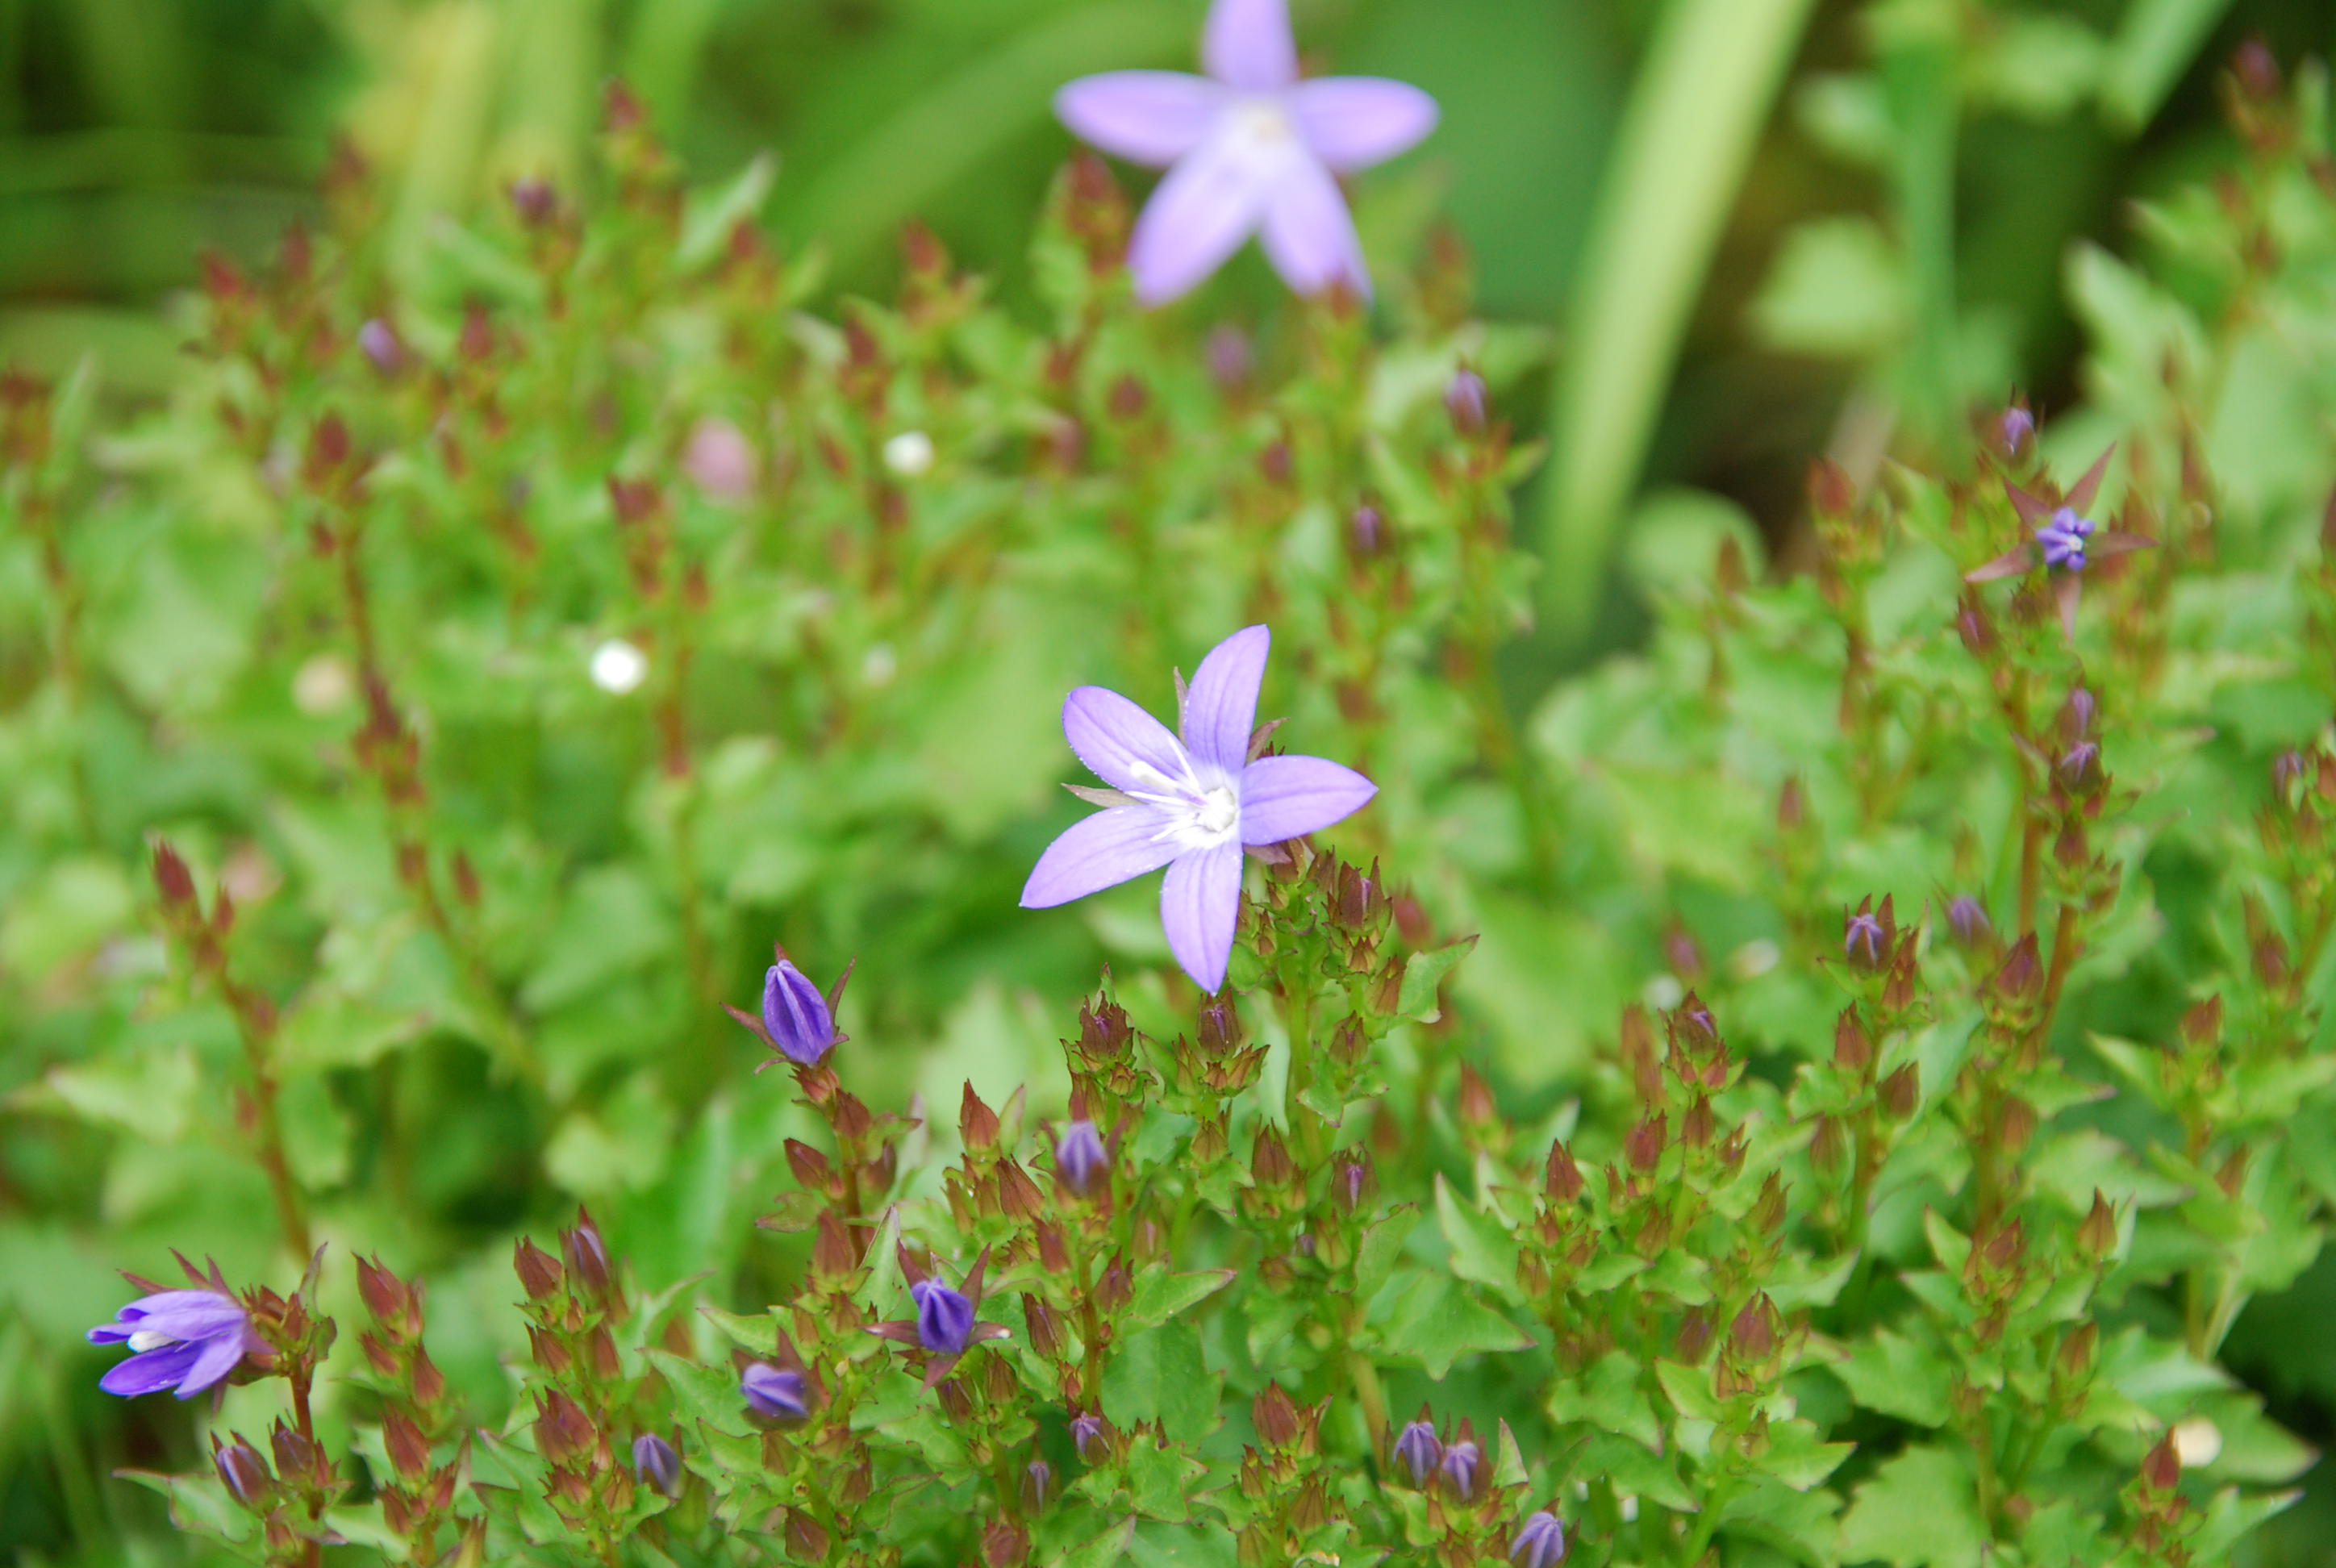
x,y
720,460
1539,1543
774,1393
655,1462
185,1340
1463,400
2015,428
1249,150
2062,539
1188,803
380,342
1080,1157
1864,940
1086,1431
1967,919
1460,1462
1420,1450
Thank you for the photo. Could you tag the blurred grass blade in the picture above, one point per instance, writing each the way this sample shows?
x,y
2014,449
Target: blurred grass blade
x,y
1917,39
1694,116
944,134
2154,45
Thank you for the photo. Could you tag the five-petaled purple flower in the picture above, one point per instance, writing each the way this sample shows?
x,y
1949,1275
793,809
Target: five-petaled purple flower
x,y
1189,804
1539,1543
1080,1157
775,1393
1253,150
184,1340
1420,1450
945,1326
2062,539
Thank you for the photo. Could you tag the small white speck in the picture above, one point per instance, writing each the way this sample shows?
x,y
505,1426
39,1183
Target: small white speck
x,y
619,666
2197,1441
1663,993
323,684
880,664
1629,1507
1753,960
908,453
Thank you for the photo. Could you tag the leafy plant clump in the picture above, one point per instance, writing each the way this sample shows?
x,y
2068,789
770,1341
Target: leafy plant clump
x,y
1822,1091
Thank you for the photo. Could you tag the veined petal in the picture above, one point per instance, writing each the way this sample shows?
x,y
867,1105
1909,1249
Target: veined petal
x,y
1208,203
1220,705
1309,235
1097,853
1288,797
1353,121
1247,43
1125,746
1152,117
1200,902
184,1314
218,1358
151,1371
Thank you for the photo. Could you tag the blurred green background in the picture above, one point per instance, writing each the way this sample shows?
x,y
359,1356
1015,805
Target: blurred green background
x,y
134,133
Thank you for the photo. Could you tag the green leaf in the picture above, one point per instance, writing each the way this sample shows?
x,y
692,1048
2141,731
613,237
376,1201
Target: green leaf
x,y
1898,1377
1160,1478
2154,45
1161,1295
1156,1545
1837,290
1160,1376
714,213
1437,1321
1423,977
1100,1552
1609,1395
1919,1511
1481,1248
1381,1248
149,1096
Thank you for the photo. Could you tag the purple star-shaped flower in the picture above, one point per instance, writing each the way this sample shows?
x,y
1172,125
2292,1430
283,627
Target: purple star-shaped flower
x,y
2062,540
181,1339
1249,150
1189,804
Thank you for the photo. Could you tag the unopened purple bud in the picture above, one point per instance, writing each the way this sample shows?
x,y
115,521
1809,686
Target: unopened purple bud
x,y
379,340
2077,714
2015,429
1968,920
655,1463
2286,769
1037,1486
1863,939
1229,357
1459,1469
775,1393
796,1015
1085,1432
1420,1450
720,460
1351,1180
944,1318
1539,1543
2080,769
533,200
244,1473
1463,400
1080,1157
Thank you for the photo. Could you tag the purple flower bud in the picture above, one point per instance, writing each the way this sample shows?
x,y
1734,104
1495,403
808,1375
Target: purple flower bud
x,y
657,1464
796,1015
720,460
1420,1450
775,1393
1085,1432
534,200
1366,530
2062,536
379,340
1539,1543
2015,429
1229,357
2286,769
1353,1177
2077,714
1037,1486
2079,769
1080,1157
1968,920
243,1473
1463,400
1459,1469
944,1318
1863,939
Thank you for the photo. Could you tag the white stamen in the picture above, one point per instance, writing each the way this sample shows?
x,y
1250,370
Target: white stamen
x,y
1261,122
150,1340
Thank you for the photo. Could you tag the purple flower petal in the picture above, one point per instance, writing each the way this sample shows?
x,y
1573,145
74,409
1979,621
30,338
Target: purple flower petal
x,y
1199,901
1309,236
1220,705
1152,117
184,1314
1208,203
796,1016
1248,44
219,1356
1353,121
1288,797
1125,746
151,1371
1097,853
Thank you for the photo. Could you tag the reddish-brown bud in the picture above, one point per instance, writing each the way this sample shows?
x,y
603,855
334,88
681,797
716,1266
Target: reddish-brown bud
x,y
539,1271
1561,1180
1643,1145
171,878
1274,1416
977,1124
1269,1162
409,1450
1901,1092
1044,1327
2161,1468
1853,1048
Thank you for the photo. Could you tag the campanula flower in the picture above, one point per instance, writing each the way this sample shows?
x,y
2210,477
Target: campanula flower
x,y
1967,920
796,1020
1086,1430
1459,1469
946,1326
1862,941
775,1393
1420,1450
1249,150
1080,1157
944,1318
1539,1543
1188,801
184,1340
657,1464
2062,541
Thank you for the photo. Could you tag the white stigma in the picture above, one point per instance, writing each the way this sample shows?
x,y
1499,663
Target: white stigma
x,y
619,666
1200,810
1217,813
1261,123
150,1340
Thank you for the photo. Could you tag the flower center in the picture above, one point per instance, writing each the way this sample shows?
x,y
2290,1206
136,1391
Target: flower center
x,y
1216,812
1261,124
146,1339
